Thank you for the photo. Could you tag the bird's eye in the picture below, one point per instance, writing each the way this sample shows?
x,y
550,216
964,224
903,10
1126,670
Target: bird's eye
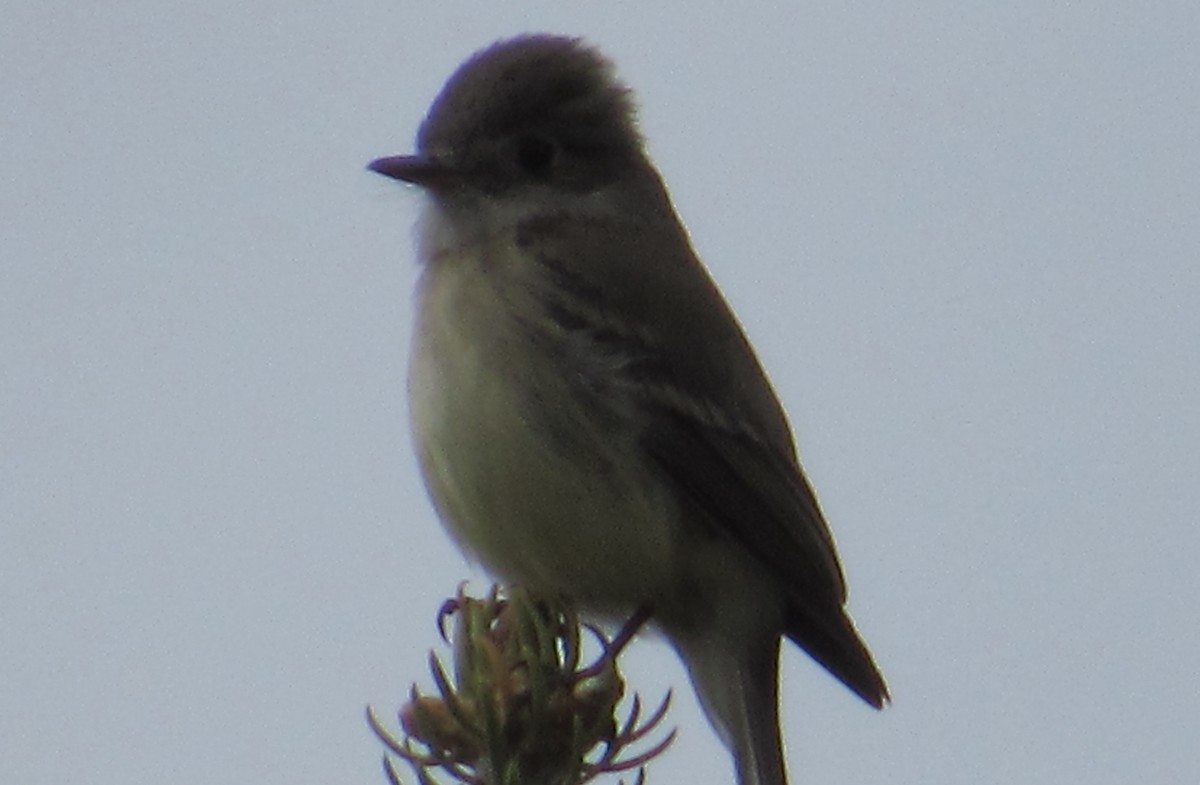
x,y
536,155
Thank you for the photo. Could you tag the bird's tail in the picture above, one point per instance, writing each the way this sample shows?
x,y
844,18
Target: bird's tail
x,y
738,689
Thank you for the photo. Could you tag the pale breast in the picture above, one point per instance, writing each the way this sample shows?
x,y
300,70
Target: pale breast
x,y
525,471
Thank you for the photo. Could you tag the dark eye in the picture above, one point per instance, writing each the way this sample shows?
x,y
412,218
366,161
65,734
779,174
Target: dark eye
x,y
536,155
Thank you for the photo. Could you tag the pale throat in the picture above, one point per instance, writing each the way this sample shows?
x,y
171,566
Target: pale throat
x,y
450,226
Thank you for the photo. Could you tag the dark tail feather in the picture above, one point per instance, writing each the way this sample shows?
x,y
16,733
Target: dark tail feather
x,y
737,683
758,754
832,640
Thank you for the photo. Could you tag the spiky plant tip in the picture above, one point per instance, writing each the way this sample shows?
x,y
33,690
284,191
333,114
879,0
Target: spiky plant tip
x,y
520,709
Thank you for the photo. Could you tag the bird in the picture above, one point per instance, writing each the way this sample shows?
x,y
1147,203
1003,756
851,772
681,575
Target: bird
x,y
589,416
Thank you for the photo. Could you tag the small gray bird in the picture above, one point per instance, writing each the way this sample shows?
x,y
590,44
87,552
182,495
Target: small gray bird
x,y
589,417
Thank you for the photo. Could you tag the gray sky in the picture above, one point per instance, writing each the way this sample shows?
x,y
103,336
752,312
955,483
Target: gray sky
x,y
963,237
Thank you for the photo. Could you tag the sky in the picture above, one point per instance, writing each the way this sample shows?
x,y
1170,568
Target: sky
x,y
963,237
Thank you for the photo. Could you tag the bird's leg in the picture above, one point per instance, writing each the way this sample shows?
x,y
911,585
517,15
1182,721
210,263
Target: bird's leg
x,y
613,648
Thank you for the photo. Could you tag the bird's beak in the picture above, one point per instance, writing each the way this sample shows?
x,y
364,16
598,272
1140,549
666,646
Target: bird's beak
x,y
418,169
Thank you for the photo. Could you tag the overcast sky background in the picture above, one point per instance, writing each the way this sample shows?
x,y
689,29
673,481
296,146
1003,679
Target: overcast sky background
x,y
963,236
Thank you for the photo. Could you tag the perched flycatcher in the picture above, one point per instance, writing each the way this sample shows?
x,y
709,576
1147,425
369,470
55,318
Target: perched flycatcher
x,y
589,417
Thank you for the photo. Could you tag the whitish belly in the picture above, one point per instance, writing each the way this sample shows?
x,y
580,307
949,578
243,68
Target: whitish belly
x,y
524,473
